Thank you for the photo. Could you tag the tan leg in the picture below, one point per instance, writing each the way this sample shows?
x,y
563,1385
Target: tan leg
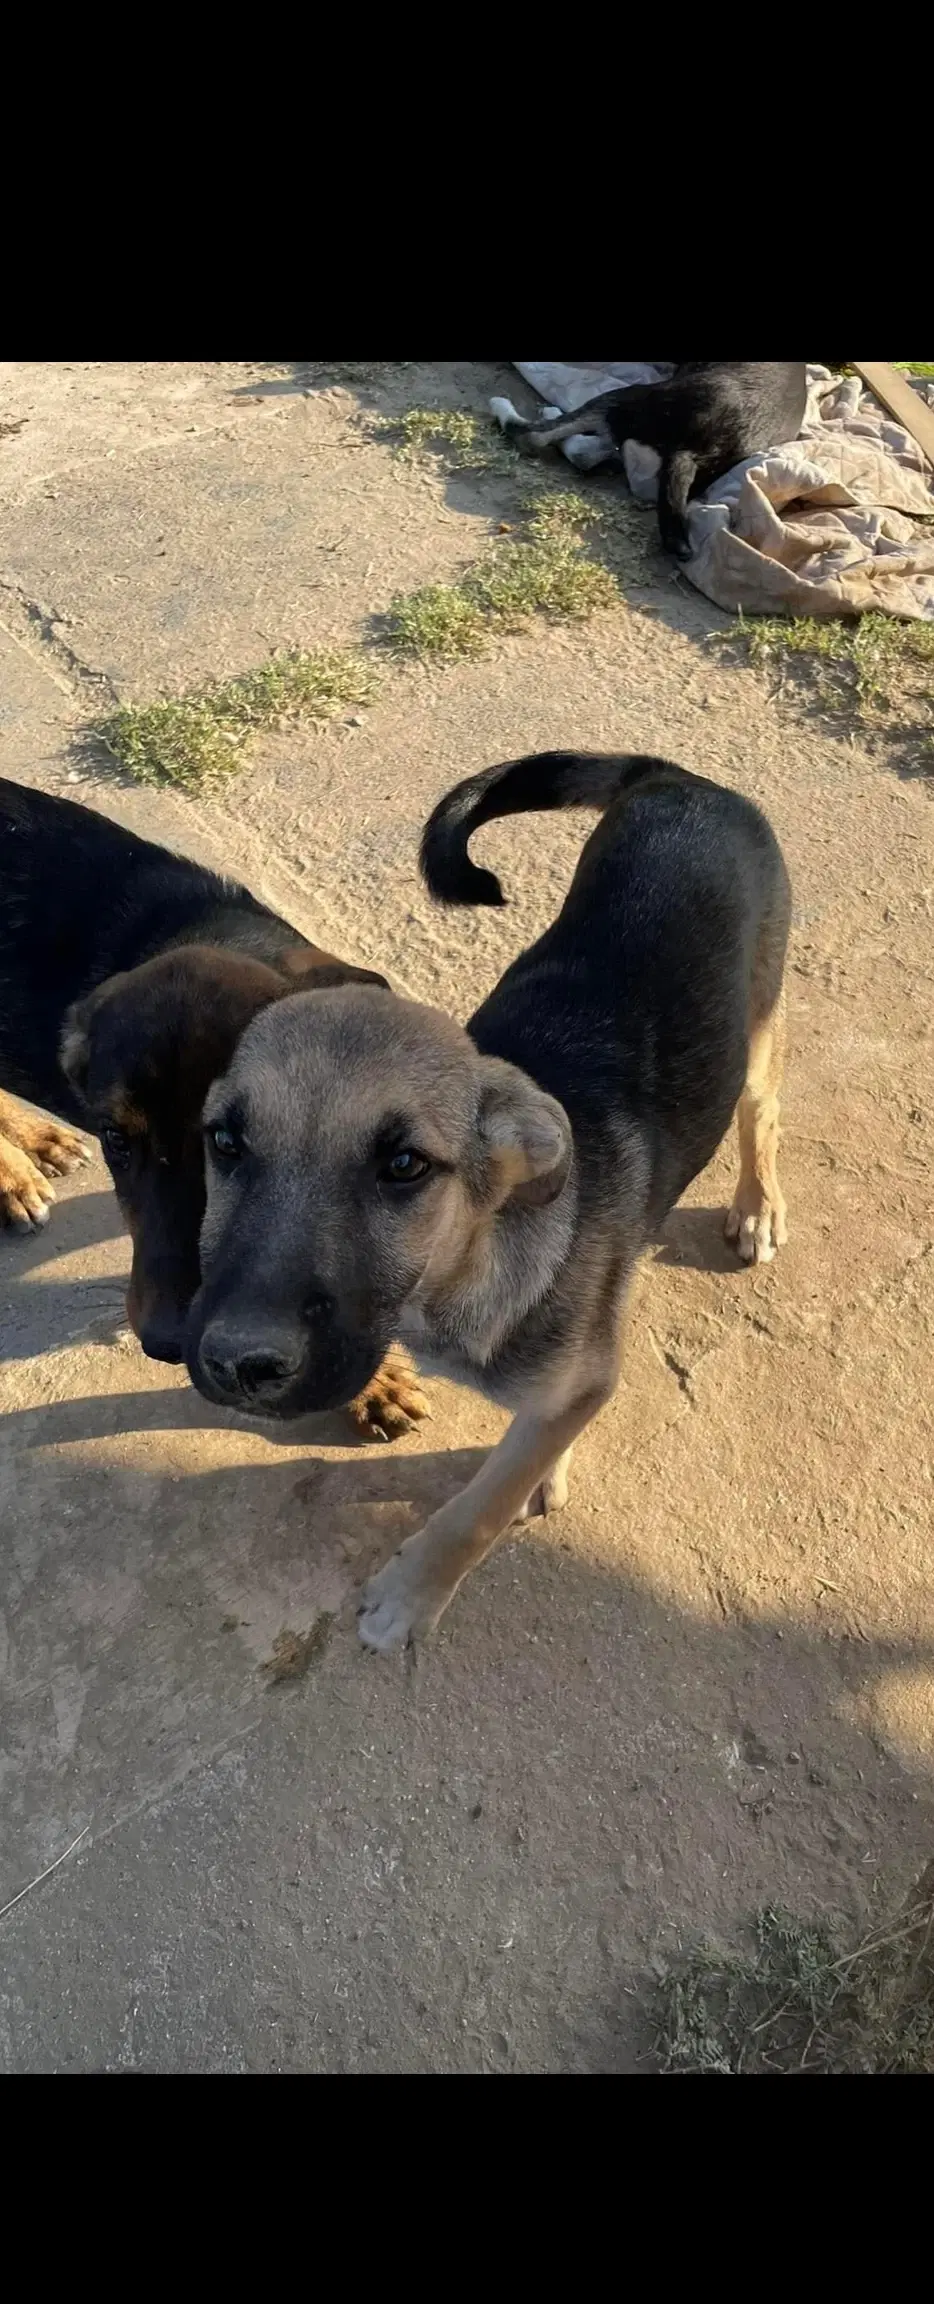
x,y
407,1597
756,1221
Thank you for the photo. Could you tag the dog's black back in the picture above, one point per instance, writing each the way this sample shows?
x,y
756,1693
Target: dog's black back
x,y
706,417
723,410
710,415
635,1003
81,899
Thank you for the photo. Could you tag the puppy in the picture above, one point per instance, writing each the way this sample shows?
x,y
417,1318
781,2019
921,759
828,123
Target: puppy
x,y
708,416
129,974
374,1171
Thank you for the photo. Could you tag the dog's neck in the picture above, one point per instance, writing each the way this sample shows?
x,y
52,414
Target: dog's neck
x,y
514,1262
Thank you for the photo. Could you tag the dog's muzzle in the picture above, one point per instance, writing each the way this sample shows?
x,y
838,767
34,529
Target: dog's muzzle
x,y
270,1367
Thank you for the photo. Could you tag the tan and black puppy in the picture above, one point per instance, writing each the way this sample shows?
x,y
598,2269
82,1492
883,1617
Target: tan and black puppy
x,y
375,1171
142,1052
129,974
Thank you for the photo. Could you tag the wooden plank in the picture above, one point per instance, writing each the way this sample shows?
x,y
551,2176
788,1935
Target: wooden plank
x,y
896,395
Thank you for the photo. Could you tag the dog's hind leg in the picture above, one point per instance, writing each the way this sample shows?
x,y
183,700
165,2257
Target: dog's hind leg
x,y
675,482
406,1599
551,1495
589,422
756,1221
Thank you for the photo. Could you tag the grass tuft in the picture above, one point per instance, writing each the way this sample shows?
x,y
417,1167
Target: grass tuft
x,y
197,739
545,571
466,442
869,662
800,2002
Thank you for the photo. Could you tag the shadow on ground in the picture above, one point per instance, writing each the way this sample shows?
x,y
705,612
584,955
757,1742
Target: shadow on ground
x,y
381,1864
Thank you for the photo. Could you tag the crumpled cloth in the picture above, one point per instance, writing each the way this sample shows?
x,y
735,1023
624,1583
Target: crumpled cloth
x,y
830,524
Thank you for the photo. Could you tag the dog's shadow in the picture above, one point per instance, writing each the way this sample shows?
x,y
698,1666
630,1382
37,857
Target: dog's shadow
x,y
41,1312
692,1240
43,1308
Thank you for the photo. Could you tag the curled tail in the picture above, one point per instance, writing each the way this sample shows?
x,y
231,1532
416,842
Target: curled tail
x,y
543,780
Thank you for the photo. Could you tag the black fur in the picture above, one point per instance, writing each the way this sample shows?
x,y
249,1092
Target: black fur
x,y
82,900
145,969
636,1001
708,416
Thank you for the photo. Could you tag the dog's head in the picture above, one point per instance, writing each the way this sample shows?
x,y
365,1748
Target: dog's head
x,y
141,1052
359,1152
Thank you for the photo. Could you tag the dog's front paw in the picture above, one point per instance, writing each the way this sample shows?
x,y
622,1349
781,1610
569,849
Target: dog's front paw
x,y
392,1402
24,1194
756,1225
56,1150
397,1607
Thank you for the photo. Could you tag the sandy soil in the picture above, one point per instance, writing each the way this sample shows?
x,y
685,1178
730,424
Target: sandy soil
x,y
708,1684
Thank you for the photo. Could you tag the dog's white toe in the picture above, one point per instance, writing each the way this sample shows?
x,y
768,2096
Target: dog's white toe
x,y
393,1611
756,1232
504,412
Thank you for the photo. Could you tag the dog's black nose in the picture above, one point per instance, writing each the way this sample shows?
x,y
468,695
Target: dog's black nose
x,y
250,1375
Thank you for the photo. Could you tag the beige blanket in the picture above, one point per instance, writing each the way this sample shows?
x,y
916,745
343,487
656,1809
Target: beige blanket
x,y
834,522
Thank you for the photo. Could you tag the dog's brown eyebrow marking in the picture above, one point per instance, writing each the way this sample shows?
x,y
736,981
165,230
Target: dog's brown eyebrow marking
x,y
127,1115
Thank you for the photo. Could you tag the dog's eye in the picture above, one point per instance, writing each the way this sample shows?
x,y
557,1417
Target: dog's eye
x,y
224,1143
404,1168
116,1147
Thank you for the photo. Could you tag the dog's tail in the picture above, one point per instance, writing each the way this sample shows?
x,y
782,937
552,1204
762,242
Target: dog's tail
x,y
543,780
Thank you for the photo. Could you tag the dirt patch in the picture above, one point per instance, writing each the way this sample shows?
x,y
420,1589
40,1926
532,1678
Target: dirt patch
x,y
707,1689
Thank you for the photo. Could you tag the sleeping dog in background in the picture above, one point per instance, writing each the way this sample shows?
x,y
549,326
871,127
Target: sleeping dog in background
x,y
708,416
376,1171
129,974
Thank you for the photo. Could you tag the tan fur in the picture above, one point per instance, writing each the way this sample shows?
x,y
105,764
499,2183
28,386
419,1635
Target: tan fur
x,y
123,1113
409,1595
757,1219
392,1402
32,1150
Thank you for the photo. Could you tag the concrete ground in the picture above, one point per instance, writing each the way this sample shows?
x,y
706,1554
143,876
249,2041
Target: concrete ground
x,y
708,1685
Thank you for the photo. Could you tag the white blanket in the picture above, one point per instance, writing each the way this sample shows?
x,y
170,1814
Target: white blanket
x,y
825,525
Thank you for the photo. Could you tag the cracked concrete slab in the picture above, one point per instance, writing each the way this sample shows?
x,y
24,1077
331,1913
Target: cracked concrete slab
x,y
708,1684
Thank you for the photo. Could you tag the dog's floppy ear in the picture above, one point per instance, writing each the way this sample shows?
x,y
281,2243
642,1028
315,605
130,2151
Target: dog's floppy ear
x,y
74,1048
525,1134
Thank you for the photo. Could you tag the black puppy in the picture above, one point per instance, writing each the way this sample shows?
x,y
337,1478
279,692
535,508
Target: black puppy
x,y
128,975
706,418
